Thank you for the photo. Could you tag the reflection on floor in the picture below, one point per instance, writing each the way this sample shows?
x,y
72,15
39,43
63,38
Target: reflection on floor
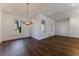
x,y
52,46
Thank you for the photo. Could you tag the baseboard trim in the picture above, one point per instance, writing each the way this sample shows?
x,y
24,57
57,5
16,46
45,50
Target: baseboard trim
x,y
68,36
36,39
16,39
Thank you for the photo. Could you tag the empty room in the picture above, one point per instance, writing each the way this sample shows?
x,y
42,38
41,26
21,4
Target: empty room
x,y
39,29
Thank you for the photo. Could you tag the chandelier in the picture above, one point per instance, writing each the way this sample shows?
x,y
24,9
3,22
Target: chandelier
x,y
28,21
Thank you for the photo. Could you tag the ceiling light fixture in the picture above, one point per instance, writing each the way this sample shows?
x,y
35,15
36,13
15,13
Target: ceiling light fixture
x,y
28,21
9,9
73,5
72,15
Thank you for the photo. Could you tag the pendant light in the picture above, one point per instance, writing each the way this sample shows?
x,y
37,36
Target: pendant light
x,y
28,20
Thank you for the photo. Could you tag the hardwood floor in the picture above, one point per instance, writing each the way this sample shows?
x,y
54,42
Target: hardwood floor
x,y
52,46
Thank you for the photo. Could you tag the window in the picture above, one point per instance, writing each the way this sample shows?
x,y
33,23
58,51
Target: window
x,y
17,27
43,26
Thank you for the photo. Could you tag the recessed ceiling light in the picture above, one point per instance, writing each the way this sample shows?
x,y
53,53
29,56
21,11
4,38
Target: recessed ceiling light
x,y
72,15
73,5
9,9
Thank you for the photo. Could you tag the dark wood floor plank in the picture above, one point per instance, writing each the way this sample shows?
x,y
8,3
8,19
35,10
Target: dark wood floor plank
x,y
52,46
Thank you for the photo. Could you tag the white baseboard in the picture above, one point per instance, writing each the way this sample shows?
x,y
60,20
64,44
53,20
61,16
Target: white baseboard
x,y
40,38
74,36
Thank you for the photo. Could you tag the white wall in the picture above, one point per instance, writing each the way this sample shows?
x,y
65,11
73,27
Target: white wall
x,y
62,27
74,26
25,31
73,21
8,28
25,28
7,24
69,27
36,28
52,27
0,27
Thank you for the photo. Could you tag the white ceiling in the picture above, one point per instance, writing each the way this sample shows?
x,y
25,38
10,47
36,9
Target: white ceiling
x,y
48,9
